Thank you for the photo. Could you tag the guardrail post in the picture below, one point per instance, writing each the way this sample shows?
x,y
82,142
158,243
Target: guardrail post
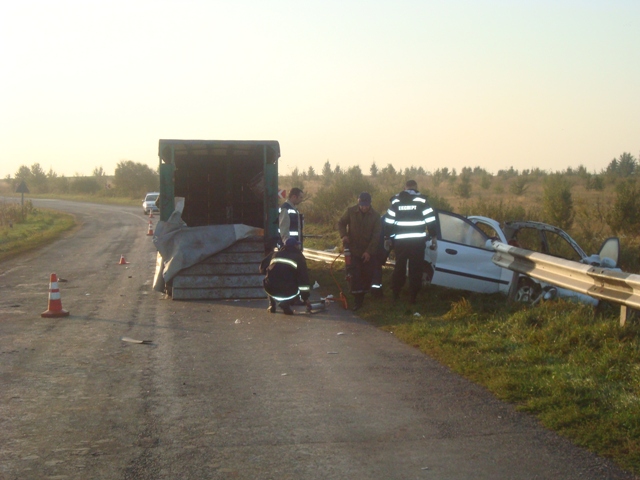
x,y
513,288
623,315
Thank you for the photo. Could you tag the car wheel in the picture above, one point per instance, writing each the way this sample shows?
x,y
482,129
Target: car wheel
x,y
427,274
528,291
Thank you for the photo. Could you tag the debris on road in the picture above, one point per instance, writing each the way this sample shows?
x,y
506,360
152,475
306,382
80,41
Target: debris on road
x,y
133,340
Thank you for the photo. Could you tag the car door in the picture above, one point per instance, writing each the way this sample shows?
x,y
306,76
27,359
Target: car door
x,y
462,259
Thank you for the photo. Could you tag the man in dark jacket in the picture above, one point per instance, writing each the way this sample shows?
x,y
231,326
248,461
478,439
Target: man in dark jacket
x,y
286,276
360,231
406,219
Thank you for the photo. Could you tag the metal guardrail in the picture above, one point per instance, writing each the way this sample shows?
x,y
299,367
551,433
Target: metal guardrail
x,y
601,283
329,257
321,256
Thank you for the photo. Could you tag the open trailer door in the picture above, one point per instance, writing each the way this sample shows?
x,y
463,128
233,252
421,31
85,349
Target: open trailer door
x,y
222,183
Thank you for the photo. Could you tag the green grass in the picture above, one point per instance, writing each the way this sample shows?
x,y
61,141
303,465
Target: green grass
x,y
101,199
577,370
40,227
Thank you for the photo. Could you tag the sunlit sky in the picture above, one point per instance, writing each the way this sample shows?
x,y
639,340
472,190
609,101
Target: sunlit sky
x,y
489,83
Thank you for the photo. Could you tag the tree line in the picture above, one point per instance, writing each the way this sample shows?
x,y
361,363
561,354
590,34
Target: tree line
x,y
131,179
338,187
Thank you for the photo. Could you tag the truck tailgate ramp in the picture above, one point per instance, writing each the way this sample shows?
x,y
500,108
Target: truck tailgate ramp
x,y
231,273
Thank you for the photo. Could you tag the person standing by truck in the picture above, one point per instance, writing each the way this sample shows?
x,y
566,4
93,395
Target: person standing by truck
x,y
359,229
290,221
406,218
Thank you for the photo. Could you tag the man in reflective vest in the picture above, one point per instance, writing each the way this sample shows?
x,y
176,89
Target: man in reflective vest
x,y
290,221
406,219
380,259
286,276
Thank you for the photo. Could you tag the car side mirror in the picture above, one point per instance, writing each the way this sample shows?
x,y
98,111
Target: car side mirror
x,y
489,245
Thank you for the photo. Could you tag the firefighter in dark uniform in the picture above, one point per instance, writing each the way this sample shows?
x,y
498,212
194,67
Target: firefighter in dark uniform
x,y
286,276
290,221
406,219
379,259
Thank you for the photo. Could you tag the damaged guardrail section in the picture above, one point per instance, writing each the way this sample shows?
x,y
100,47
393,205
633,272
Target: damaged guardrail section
x,y
601,283
320,256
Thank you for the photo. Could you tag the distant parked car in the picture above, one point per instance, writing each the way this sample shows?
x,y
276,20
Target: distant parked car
x,y
461,256
149,203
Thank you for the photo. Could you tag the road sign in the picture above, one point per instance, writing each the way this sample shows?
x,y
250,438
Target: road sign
x,y
282,193
22,188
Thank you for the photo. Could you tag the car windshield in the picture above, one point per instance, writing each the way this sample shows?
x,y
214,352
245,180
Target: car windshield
x,y
151,198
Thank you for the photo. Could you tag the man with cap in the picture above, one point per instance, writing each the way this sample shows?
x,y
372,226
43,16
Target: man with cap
x,y
286,276
359,229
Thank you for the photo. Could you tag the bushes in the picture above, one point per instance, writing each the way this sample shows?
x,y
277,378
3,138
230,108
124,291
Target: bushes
x,y
12,213
135,179
330,202
84,185
500,211
557,203
624,216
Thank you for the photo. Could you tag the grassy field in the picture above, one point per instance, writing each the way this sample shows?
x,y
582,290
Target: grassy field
x,y
39,228
105,200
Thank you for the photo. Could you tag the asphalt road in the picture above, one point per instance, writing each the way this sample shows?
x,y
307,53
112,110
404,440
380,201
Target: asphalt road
x,y
227,391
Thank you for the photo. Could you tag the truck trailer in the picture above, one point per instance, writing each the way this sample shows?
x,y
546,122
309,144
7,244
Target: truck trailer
x,y
216,196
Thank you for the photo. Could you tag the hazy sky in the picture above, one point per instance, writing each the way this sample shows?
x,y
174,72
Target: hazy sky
x,y
489,83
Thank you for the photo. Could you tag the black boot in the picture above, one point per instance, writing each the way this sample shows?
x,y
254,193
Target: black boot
x,y
359,301
272,306
286,308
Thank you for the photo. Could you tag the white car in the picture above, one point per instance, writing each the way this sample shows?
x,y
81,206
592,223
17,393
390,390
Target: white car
x,y
149,203
461,256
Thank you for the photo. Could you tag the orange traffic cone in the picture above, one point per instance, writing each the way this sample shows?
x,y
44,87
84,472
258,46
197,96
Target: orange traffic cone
x,y
55,303
150,213
150,231
122,261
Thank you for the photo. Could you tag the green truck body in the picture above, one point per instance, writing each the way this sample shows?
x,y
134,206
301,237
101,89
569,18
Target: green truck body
x,y
222,183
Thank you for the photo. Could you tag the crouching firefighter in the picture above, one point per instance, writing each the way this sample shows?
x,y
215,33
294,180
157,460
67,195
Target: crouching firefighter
x,y
286,276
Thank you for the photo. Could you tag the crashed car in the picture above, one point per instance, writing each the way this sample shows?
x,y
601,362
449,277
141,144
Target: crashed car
x,y
461,256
